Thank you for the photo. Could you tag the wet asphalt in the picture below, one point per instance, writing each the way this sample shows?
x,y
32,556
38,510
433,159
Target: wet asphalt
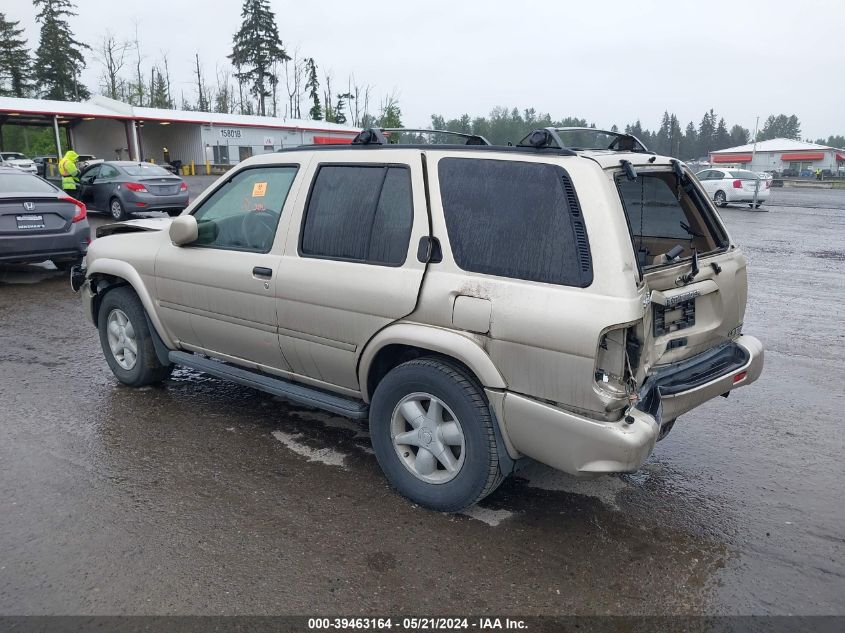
x,y
201,497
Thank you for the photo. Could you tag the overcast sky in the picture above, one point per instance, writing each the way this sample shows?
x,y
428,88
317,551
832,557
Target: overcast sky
x,y
603,60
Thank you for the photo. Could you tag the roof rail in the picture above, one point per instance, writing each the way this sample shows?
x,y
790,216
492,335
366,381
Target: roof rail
x,y
381,136
550,137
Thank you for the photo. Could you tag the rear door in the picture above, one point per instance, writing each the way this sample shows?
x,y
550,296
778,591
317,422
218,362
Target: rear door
x,y
350,266
689,311
104,186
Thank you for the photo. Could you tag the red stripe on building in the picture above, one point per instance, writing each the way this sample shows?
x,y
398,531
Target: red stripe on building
x,y
731,158
332,140
803,156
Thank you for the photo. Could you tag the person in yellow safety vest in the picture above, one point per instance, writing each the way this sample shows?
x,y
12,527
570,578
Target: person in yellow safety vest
x,y
69,172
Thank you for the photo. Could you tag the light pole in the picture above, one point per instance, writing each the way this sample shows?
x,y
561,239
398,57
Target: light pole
x,y
753,152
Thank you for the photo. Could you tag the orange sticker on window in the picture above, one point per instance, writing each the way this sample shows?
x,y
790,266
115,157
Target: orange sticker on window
x,y
259,189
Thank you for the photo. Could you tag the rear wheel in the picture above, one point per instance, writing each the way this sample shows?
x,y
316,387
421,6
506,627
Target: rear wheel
x,y
720,199
433,435
758,205
116,209
126,340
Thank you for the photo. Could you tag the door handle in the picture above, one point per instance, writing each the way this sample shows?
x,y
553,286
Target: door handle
x,y
261,271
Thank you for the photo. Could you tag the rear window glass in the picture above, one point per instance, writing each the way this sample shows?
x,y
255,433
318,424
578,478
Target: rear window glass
x,y
145,169
24,183
743,174
653,207
515,219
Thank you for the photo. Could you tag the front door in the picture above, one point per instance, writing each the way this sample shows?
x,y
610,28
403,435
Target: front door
x,y
104,186
217,295
350,267
87,186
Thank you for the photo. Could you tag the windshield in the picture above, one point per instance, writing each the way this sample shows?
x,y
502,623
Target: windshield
x,y
743,174
145,169
13,156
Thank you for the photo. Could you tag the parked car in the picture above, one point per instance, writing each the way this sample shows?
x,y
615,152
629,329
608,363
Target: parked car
x,y
123,187
40,222
478,304
19,161
726,186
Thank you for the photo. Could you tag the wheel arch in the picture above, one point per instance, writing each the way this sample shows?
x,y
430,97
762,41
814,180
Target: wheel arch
x,y
404,341
108,274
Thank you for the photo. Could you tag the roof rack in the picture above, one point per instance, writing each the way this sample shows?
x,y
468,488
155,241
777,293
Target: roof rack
x,y
385,136
550,137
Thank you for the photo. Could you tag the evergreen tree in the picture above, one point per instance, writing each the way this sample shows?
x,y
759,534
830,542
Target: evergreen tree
x,y
59,58
721,137
706,132
739,136
313,87
780,126
15,63
158,91
255,47
689,145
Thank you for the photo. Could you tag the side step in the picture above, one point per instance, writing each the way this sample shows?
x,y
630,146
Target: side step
x,y
295,392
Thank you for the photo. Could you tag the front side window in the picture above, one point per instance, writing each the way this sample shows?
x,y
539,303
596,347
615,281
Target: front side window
x,y
360,213
515,219
243,214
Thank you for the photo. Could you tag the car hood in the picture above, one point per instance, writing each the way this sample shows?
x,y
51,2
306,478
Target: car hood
x,y
134,226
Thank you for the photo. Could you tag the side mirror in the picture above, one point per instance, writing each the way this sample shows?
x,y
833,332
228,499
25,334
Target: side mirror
x,y
183,230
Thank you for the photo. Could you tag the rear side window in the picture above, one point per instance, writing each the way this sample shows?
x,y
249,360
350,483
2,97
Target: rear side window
x,y
360,213
515,219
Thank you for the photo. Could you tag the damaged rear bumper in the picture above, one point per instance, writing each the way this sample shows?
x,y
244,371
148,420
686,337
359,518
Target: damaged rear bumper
x,y
680,387
582,446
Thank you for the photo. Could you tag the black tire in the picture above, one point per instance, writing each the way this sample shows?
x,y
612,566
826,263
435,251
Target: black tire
x,y
146,369
758,205
116,210
720,199
479,474
174,212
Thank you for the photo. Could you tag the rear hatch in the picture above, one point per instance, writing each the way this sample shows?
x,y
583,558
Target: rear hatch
x,y
33,215
694,279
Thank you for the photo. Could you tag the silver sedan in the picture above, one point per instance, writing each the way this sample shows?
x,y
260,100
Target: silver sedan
x,y
121,188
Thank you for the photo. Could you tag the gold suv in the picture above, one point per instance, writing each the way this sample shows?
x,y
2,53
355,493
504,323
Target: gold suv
x,y
564,299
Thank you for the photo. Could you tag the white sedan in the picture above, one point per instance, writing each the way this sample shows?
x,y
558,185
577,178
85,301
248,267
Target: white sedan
x,y
18,160
725,186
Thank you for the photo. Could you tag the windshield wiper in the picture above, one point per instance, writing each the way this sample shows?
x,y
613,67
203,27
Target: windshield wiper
x,y
685,279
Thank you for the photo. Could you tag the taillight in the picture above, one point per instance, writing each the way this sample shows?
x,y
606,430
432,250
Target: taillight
x,y
135,186
183,186
737,184
81,211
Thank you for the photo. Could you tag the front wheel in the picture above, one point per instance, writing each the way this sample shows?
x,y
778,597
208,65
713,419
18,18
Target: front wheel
x,y
117,211
433,436
720,199
126,340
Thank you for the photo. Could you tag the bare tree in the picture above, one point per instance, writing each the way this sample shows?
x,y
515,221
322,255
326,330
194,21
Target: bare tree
x,y
111,54
224,100
139,88
202,93
167,78
295,70
328,97
358,103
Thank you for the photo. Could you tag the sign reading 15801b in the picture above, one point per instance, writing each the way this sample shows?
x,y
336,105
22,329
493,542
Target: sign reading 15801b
x,y
228,132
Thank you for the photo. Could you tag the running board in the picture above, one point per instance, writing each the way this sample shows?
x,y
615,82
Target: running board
x,y
295,392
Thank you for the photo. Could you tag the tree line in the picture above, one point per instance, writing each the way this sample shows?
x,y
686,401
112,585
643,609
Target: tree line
x,y
505,125
260,76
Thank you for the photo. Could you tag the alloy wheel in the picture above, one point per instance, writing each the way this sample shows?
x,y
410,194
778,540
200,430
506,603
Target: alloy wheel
x,y
122,339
